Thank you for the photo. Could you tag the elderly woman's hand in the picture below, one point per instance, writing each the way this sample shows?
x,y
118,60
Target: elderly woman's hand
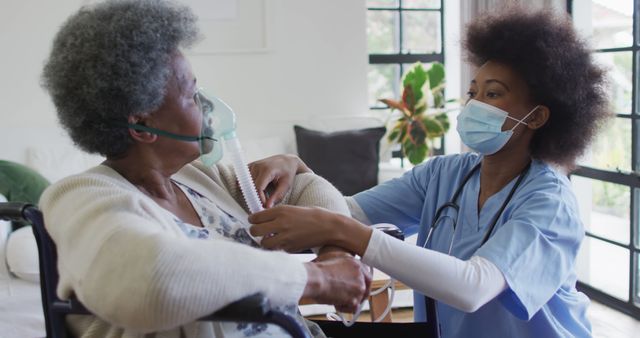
x,y
342,281
277,171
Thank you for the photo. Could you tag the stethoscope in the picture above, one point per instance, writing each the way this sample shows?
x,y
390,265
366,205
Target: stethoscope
x,y
430,304
453,204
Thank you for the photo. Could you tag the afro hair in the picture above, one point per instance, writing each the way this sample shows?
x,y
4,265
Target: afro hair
x,y
558,67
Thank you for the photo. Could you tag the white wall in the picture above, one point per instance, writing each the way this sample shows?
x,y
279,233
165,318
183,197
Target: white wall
x,y
310,60
452,62
26,32
315,64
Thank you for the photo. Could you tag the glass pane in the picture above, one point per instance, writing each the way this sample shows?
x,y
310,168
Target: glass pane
x,y
637,78
382,32
605,267
383,83
382,3
604,208
637,301
612,23
421,32
611,149
619,67
421,4
637,225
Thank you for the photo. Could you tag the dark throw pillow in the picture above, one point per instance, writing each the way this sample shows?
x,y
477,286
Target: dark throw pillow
x,y
348,159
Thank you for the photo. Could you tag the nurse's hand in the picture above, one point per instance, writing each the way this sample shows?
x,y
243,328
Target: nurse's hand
x,y
293,228
276,172
342,281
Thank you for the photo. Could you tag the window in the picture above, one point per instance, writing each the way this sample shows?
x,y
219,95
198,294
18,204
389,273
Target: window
x,y
607,182
400,33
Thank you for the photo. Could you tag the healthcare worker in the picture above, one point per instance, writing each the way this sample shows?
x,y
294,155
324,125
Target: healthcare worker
x,y
498,228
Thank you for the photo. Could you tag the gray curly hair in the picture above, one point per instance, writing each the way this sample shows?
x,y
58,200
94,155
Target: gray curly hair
x,y
111,61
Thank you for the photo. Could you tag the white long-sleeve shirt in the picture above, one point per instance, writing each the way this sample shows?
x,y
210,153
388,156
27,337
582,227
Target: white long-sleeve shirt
x,y
463,284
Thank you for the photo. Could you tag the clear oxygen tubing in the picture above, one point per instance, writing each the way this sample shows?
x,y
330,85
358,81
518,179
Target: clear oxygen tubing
x,y
388,285
247,186
224,120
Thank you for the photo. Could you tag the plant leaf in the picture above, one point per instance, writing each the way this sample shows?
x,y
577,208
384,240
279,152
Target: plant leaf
x,y
415,79
420,109
444,121
408,147
393,104
433,126
436,75
417,132
393,135
416,153
437,84
438,95
438,99
409,99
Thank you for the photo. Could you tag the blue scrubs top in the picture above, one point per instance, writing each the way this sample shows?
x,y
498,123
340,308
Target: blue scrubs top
x,y
534,244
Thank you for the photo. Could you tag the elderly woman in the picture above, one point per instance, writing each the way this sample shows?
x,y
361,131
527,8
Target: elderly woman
x,y
147,240
498,228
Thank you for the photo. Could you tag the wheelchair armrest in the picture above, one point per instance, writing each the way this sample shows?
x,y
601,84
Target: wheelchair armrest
x,y
70,306
13,211
253,308
257,309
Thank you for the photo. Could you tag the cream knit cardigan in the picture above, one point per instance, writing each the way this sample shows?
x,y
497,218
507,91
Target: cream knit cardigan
x,y
125,259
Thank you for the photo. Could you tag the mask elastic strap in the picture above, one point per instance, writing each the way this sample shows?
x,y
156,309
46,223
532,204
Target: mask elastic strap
x,y
524,118
169,134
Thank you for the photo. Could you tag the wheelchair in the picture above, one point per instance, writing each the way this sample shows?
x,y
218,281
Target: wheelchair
x,y
254,308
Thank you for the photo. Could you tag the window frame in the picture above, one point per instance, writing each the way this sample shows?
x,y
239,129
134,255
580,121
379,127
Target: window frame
x,y
631,179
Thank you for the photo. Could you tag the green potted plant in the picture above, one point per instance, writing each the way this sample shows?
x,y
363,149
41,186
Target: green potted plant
x,y
422,117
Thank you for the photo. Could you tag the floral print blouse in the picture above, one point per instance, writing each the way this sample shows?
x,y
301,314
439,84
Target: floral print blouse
x,y
220,224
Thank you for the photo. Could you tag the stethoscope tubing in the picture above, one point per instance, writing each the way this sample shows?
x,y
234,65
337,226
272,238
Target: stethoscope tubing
x,y
452,203
430,304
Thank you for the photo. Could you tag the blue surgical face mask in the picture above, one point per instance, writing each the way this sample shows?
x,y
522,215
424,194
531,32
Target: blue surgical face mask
x,y
480,127
217,121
